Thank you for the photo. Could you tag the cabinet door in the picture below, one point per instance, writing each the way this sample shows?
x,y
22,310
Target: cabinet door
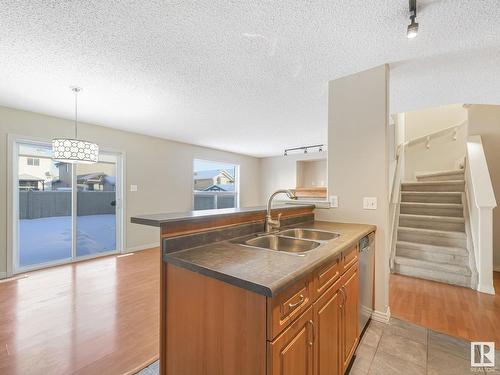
x,y
350,336
327,353
291,353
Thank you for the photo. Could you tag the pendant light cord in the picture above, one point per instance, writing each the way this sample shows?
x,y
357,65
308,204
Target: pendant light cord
x,y
76,90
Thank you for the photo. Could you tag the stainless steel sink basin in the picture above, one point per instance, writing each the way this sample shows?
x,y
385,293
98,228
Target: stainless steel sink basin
x,y
309,234
278,243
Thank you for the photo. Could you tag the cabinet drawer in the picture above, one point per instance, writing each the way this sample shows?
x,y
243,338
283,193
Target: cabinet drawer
x,y
349,257
326,276
287,306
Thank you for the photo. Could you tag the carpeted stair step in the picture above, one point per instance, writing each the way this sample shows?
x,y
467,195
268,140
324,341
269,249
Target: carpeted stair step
x,y
456,174
430,253
432,237
432,209
446,273
445,223
431,197
454,186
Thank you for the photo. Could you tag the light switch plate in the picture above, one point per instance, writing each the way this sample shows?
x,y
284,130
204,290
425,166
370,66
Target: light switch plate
x,y
133,187
334,201
369,203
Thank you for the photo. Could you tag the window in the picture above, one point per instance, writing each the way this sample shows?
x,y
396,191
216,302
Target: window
x,y
33,161
215,185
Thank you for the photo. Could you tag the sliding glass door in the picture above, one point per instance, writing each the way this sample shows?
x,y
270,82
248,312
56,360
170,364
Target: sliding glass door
x,y
63,212
96,206
44,207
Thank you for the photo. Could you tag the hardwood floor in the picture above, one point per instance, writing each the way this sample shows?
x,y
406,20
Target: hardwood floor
x,y
95,317
449,309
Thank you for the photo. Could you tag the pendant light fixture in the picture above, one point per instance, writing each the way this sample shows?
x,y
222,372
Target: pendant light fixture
x,y
74,150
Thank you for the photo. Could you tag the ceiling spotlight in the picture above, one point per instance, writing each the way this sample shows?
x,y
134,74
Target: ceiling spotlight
x,y
286,153
412,30
320,149
305,150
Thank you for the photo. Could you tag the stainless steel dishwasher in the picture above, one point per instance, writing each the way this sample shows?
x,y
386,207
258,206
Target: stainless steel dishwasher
x,y
366,278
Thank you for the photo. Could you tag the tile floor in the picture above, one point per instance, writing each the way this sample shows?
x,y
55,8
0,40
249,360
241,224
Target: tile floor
x,y
403,348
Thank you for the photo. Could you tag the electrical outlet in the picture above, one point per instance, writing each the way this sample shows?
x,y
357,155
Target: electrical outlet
x,y
334,201
133,187
369,203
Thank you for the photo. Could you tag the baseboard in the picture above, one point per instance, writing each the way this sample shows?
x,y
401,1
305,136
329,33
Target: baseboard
x,y
382,317
3,275
141,247
488,289
496,268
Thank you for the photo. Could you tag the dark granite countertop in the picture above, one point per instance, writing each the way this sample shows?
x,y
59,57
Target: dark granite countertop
x,y
263,271
157,220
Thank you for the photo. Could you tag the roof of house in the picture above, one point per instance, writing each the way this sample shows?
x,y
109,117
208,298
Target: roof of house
x,y
202,175
220,187
28,177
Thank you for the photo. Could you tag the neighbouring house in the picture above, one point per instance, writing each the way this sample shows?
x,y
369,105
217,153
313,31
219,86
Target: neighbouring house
x,y
34,173
207,179
29,182
96,182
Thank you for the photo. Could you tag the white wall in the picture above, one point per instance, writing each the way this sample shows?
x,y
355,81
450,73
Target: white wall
x,y
444,151
358,161
280,172
484,120
162,169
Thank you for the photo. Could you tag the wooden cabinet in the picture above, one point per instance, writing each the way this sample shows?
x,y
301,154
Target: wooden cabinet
x,y
292,352
310,328
333,319
349,314
327,327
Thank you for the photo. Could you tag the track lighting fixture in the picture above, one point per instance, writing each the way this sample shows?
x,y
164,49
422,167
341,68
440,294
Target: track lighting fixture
x,y
412,30
305,149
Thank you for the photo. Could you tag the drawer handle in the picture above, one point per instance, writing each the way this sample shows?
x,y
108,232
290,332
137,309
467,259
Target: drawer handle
x,y
292,305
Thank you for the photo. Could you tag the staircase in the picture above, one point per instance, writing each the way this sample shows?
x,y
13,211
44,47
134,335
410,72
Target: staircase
x,y
431,238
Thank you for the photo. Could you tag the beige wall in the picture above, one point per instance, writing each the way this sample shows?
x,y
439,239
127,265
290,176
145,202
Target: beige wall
x,y
162,170
484,120
430,120
444,152
280,172
358,160
311,173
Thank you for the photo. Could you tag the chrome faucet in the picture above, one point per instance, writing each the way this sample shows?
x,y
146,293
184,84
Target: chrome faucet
x,y
274,224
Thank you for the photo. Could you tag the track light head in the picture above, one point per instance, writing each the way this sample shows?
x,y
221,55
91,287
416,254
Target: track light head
x,y
412,30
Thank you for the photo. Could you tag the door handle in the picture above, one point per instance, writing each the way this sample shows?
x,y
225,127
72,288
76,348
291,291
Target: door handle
x,y
343,296
311,342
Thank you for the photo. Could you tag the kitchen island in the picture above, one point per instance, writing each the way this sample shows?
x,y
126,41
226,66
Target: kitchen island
x,y
230,308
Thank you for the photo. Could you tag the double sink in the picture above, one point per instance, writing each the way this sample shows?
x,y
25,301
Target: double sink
x,y
296,241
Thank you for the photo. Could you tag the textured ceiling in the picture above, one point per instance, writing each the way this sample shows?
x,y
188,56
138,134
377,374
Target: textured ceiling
x,y
243,76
